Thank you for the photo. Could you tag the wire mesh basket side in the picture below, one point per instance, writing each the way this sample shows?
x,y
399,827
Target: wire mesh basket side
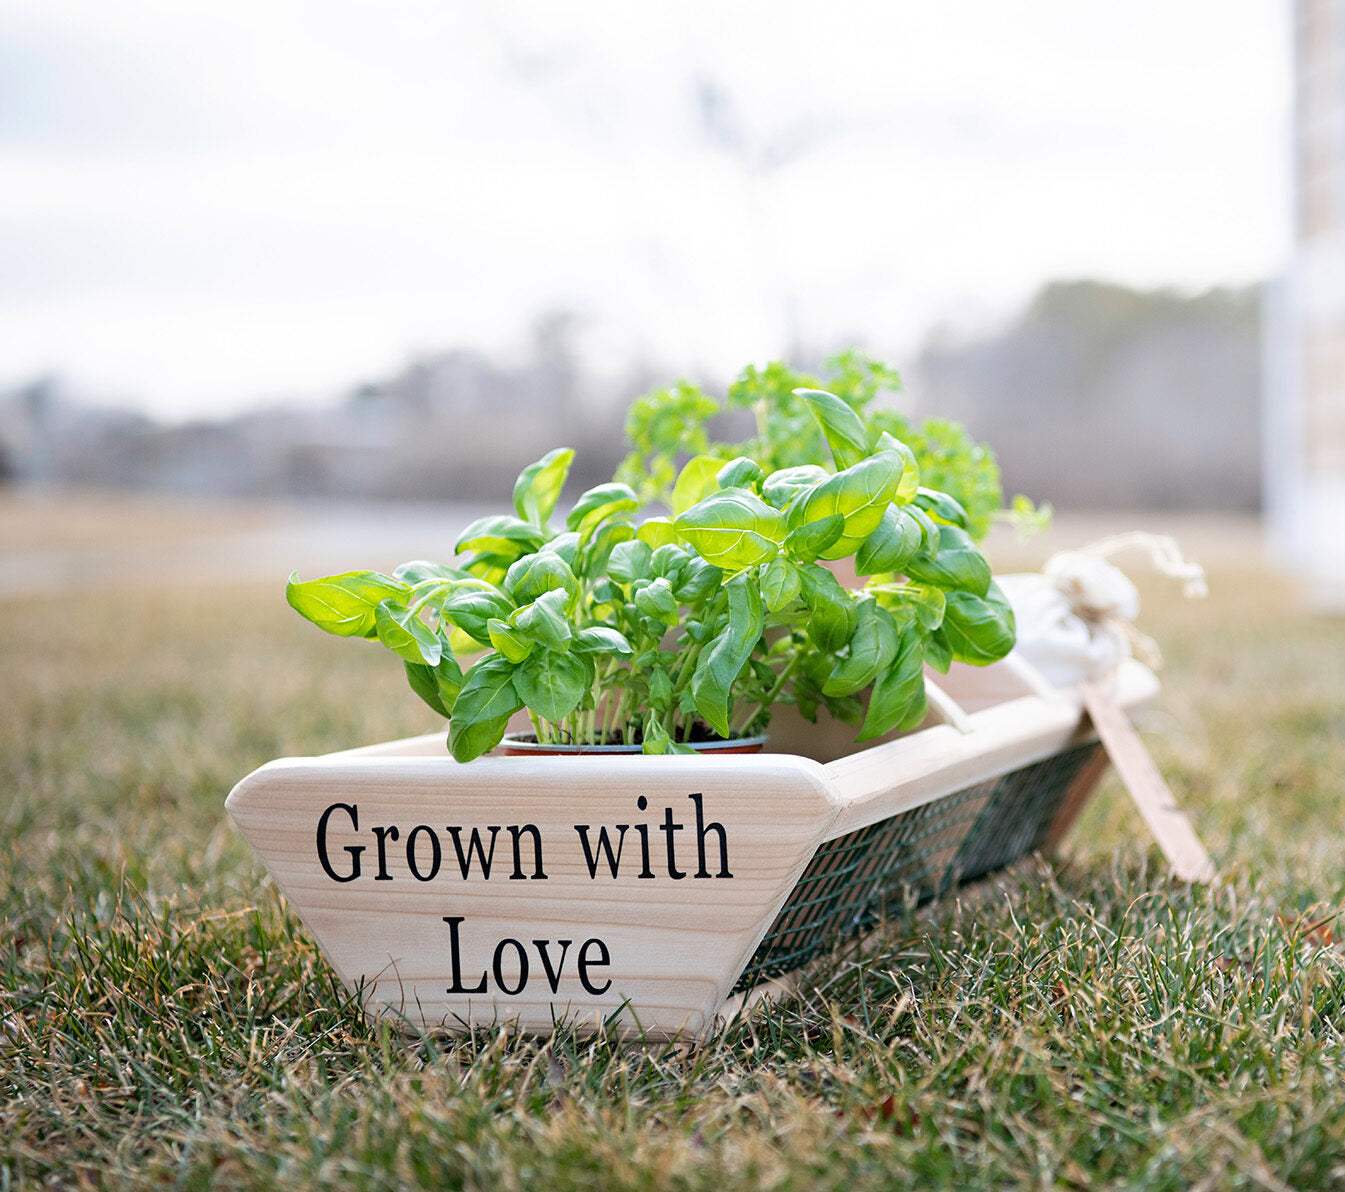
x,y
912,858
1018,816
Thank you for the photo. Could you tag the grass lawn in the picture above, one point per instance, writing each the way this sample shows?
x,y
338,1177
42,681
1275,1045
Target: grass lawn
x,y
164,1020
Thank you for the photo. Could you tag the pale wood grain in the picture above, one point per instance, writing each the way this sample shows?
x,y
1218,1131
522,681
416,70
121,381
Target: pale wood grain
x,y
676,946
978,687
944,707
910,771
1150,793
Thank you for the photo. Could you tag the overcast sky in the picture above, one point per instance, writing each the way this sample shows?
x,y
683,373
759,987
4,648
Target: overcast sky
x,y
208,204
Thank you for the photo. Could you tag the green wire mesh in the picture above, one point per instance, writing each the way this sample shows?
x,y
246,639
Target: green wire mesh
x,y
913,857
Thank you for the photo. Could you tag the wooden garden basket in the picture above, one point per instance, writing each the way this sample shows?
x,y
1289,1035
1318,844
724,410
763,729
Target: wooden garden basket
x,y
730,872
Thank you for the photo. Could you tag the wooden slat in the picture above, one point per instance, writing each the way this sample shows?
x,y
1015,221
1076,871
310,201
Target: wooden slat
x,y
945,707
910,771
1151,794
978,687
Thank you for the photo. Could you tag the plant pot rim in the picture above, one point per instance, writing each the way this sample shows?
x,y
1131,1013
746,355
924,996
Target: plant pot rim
x,y
513,745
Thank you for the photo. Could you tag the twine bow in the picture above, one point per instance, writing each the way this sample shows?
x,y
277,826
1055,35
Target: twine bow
x,y
1101,594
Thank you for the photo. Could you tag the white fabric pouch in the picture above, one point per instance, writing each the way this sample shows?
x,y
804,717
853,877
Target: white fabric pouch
x,y
1076,617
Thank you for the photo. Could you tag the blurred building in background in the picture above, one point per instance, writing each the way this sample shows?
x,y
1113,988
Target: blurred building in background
x,y
1305,323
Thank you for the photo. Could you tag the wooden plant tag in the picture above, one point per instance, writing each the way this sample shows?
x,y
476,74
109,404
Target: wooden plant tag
x,y
1152,795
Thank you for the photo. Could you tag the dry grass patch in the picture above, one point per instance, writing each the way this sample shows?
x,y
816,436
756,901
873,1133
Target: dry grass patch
x,y
164,1020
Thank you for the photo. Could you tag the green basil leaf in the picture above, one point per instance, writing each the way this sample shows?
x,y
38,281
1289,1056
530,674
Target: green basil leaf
x,y
425,684
740,473
468,740
910,467
930,535
779,583
765,676
658,602
924,601
483,707
845,432
656,740
491,568
600,639
513,644
938,653
959,564
696,481
535,574
420,571
860,494
469,608
780,488
538,486
597,505
890,546
551,684
669,561
462,643
630,561
565,545
898,696
697,580
660,688
544,621
847,709
733,529
345,604
406,635
449,678
831,622
488,690
502,535
716,671
873,646
808,542
594,555
941,507
686,702
657,531
979,629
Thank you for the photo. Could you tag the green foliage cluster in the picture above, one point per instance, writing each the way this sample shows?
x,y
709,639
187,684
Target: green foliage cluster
x,y
670,424
659,630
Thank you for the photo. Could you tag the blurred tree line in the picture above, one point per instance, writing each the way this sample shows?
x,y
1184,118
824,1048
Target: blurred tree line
x,y
1095,396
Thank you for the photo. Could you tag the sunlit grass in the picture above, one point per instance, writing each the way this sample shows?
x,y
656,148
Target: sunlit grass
x,y
164,1020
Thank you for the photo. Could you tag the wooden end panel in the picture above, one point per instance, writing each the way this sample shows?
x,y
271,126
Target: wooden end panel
x,y
536,890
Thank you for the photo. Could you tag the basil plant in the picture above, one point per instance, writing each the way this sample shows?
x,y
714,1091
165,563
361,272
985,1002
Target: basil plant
x,y
665,630
663,425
